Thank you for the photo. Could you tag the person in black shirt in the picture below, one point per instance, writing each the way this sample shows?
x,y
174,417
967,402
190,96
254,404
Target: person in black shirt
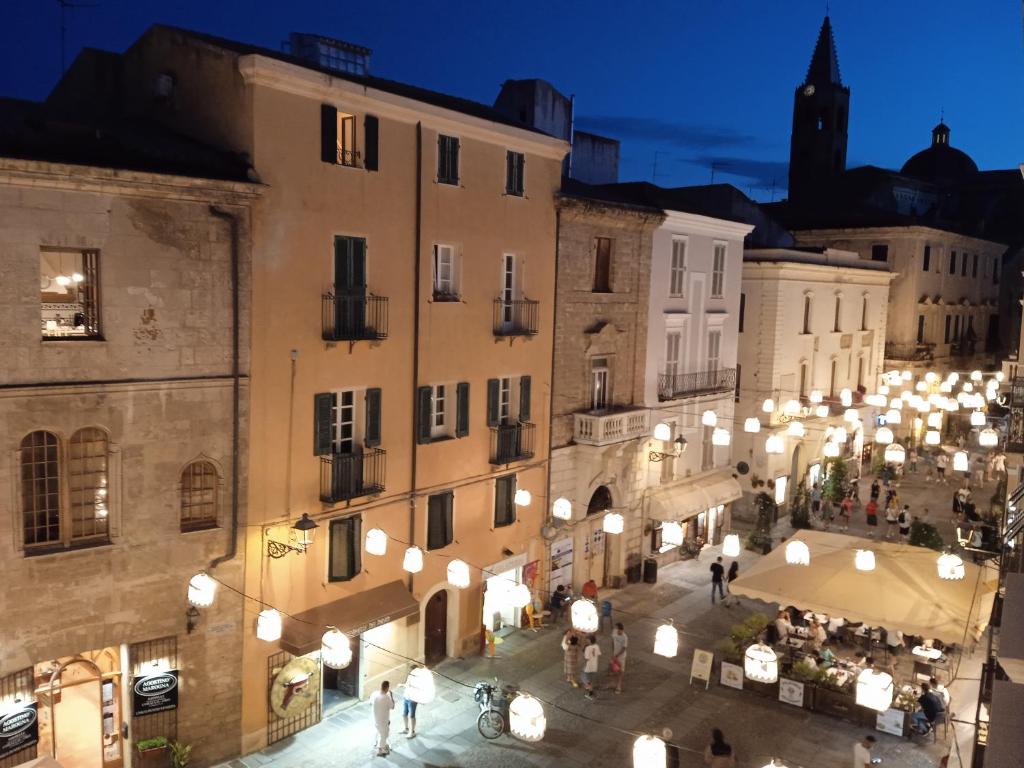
x,y
932,708
717,580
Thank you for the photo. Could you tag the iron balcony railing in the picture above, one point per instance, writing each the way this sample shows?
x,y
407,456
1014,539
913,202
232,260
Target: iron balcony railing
x,y
345,476
672,386
349,157
517,317
511,442
354,318
896,350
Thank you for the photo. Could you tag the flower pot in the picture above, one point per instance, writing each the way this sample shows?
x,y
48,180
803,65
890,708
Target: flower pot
x,y
155,757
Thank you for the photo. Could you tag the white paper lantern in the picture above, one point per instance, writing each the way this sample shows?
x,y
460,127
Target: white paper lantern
x,y
931,437
768,405
988,438
831,450
519,596
775,763
773,444
671,534
791,408
666,641
935,420
761,663
731,545
846,398
883,390
864,560
268,625
961,462
977,419
907,375
419,687
896,403
562,509
709,418
999,376
522,497
883,436
990,394
613,523
975,375
840,434
968,387
951,404
458,574
796,429
720,436
335,649
876,400
892,416
376,542
945,387
797,553
649,752
662,431
851,415
950,566
526,718
752,424
816,396
201,590
953,378
413,561
895,453
874,690
584,615
921,386
821,411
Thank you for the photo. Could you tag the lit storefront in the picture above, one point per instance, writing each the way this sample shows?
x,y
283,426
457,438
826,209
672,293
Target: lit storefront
x,y
700,508
500,579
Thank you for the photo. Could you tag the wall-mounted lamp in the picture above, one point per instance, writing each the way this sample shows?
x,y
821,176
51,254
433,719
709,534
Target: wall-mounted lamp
x,y
663,432
191,619
303,533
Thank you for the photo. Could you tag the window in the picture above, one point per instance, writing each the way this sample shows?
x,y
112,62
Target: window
x,y
447,160
952,262
341,427
445,278
338,139
864,314
974,266
714,349
946,336
837,325
739,376
504,501
439,420
677,271
673,347
344,437
880,252
707,449
599,398
345,549
602,265
347,154
926,261
440,532
503,408
956,328
807,314
515,167
718,271
920,329
40,488
69,294
743,310
442,411
860,371
832,380
803,380
963,265
199,496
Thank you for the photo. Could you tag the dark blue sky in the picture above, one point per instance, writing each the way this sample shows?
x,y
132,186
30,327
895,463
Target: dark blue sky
x,y
694,81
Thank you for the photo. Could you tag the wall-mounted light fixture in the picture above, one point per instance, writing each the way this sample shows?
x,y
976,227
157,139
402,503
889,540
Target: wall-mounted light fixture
x,y
303,533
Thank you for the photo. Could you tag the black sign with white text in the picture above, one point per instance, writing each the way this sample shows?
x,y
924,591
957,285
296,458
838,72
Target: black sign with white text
x,y
19,729
157,692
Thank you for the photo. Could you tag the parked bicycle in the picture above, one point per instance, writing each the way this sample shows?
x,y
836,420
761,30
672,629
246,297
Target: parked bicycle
x,y
492,721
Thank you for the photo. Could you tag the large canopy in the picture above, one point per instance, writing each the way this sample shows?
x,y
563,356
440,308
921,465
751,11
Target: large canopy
x,y
903,592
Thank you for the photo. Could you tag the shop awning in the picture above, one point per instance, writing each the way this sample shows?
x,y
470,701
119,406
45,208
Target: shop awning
x,y
682,501
903,592
353,615
1005,736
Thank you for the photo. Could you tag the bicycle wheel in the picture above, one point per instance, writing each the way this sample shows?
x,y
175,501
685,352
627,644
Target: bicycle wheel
x,y
491,724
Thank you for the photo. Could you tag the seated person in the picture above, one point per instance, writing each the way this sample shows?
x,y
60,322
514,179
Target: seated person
x,y
931,710
827,658
941,691
810,660
783,626
859,663
816,635
559,598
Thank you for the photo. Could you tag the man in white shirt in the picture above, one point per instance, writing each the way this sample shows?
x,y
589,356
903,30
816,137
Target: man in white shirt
x,y
591,654
862,752
783,625
620,642
381,704
942,691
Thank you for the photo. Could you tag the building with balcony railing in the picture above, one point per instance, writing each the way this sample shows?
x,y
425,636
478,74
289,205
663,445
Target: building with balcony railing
x,y
358,318
347,476
516,317
674,386
511,442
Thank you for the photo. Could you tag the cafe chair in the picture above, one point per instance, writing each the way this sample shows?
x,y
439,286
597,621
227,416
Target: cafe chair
x,y
536,620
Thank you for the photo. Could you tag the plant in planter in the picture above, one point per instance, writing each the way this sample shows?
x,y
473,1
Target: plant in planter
x,y
837,480
924,534
157,743
760,539
747,631
803,672
181,754
730,652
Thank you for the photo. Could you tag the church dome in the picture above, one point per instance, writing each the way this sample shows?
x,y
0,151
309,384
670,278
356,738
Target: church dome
x,y
940,162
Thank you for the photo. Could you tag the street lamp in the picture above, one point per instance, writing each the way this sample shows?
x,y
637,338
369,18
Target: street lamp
x,y
303,533
663,432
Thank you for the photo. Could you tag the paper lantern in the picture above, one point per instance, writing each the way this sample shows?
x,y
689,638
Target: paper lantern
x,y
831,450
864,560
562,509
268,625
522,497
526,718
671,534
775,763
961,462
874,690
791,408
613,523
413,561
666,641
720,436
883,436
816,396
892,416
950,566
921,386
945,387
968,387
649,752
376,542
876,400
999,376
895,453
731,545
821,411
931,437
419,687
519,596
768,405
709,418
990,394
988,438
951,404
839,435
458,574
953,378
883,390
896,403
662,431
922,405
797,553
335,649
975,375
761,663
935,420
752,425
773,444
906,375
201,590
977,419
584,615
846,398
796,429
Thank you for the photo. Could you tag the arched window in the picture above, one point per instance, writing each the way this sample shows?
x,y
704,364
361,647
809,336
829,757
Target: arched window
x,y
40,488
199,496
87,484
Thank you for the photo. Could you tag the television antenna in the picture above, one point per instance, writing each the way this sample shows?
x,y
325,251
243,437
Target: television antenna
x,y
64,6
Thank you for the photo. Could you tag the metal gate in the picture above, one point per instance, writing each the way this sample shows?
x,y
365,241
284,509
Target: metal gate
x,y
281,728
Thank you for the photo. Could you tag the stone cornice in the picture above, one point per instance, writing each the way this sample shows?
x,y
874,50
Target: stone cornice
x,y
913,230
818,273
707,225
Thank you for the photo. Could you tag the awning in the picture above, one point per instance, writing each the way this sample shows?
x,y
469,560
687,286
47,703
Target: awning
x,y
685,500
353,615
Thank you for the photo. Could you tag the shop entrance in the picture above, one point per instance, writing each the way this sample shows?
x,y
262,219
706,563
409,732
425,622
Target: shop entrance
x,y
341,686
598,547
435,638
499,613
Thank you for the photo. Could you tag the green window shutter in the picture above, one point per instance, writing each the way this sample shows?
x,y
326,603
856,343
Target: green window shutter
x,y
455,161
504,501
462,409
492,402
371,142
449,526
439,520
510,173
520,174
357,545
372,432
323,423
524,398
423,413
328,134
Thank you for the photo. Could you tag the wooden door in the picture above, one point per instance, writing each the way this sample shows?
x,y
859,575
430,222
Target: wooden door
x,y
435,639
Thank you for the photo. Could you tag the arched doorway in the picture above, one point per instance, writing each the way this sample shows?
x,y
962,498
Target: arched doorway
x,y
599,549
435,629
76,697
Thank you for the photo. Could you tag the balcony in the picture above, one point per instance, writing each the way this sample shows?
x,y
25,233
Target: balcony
x,y
678,385
346,476
518,317
911,352
511,442
354,318
611,427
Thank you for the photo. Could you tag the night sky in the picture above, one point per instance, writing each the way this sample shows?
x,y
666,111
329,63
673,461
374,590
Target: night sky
x,y
683,83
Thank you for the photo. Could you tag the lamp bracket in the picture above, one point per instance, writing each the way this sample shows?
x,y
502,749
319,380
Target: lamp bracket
x,y
277,549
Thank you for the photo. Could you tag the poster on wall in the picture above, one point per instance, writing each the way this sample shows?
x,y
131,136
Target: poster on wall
x,y
530,574
157,692
19,729
561,564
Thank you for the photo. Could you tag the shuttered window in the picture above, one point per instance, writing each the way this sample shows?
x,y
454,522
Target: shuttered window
x,y
515,165
447,160
440,532
371,435
462,409
345,550
504,500
371,143
718,271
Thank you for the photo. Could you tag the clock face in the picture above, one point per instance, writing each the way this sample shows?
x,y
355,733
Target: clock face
x,y
808,90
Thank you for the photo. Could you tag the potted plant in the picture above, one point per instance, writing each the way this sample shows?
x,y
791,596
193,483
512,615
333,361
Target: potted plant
x,y
152,752
838,700
181,754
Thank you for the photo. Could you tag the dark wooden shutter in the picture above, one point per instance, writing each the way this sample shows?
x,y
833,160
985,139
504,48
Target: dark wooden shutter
x,y
520,173
371,142
439,520
423,414
372,431
357,545
462,409
510,173
328,134
323,423
492,402
504,500
524,398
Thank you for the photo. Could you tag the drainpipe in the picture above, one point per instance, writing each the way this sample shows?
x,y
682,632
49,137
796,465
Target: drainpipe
x,y
551,387
416,336
232,548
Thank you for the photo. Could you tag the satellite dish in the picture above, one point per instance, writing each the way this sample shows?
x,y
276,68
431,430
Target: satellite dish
x,y
743,467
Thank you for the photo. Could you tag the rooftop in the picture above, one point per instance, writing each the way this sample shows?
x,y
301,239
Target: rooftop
x,y
823,257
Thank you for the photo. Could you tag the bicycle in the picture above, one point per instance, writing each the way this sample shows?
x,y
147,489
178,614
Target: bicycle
x,y
492,721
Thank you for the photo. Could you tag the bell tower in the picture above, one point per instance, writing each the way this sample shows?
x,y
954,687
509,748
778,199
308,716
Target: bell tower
x,y
821,108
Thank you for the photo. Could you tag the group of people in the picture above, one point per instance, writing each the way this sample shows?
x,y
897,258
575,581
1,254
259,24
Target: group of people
x,y
382,703
578,647
897,516
720,581
825,509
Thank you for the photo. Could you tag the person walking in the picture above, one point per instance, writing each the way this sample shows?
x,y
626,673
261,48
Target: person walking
x,y
620,645
409,710
717,574
876,489
903,519
591,658
571,657
559,598
845,510
862,752
719,754
815,500
871,514
941,462
892,519
730,577
381,704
